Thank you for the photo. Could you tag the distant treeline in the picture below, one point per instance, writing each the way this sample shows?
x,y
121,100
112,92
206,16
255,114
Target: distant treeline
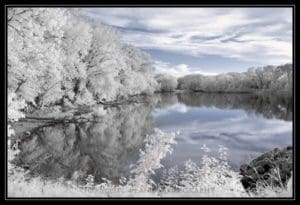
x,y
277,78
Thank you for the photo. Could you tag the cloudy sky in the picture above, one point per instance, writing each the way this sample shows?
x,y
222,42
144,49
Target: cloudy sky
x,y
204,40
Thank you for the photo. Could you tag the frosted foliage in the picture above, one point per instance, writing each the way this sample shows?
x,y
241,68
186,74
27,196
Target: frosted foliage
x,y
142,68
167,83
34,53
99,111
213,178
265,78
14,107
29,91
104,60
85,98
156,148
54,51
117,70
76,45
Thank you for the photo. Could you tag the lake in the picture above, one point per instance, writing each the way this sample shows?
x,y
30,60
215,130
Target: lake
x,y
247,124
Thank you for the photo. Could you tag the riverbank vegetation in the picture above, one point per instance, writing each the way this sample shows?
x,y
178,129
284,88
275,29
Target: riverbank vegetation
x,y
214,178
57,57
265,78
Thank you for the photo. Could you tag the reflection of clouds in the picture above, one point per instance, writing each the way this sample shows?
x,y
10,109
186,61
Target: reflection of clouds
x,y
181,108
243,134
249,128
247,124
194,117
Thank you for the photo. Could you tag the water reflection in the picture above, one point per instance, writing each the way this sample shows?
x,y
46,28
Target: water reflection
x,y
246,124
270,106
76,150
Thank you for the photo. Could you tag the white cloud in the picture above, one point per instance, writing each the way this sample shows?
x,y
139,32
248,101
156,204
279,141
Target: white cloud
x,y
262,35
177,70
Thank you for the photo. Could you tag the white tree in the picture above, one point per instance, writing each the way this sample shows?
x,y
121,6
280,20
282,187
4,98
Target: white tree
x,y
139,77
267,78
56,55
34,54
76,46
105,61
191,82
167,83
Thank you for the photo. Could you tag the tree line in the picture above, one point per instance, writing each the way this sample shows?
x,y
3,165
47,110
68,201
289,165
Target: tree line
x,y
57,56
271,78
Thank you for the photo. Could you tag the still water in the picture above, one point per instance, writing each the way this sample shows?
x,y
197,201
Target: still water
x,y
246,124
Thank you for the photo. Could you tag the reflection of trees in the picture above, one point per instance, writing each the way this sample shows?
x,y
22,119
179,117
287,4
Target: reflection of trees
x,y
270,106
164,100
100,149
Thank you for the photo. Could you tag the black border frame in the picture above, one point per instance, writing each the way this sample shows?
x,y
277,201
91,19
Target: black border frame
x,y
205,3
